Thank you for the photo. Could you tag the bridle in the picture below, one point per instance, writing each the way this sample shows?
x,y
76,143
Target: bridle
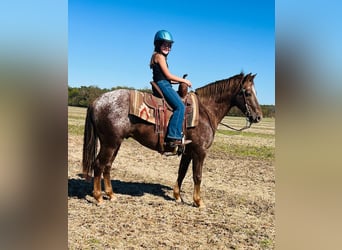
x,y
247,113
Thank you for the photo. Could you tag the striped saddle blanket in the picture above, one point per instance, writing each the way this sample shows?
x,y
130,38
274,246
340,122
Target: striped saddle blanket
x,y
156,111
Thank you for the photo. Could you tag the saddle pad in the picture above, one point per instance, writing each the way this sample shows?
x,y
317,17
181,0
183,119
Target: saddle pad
x,y
143,105
138,107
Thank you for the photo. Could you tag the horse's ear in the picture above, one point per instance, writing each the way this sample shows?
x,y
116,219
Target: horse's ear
x,y
251,76
248,76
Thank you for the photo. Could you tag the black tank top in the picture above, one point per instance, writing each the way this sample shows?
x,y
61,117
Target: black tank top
x,y
157,73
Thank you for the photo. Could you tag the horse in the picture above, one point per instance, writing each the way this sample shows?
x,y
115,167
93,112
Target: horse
x,y
108,120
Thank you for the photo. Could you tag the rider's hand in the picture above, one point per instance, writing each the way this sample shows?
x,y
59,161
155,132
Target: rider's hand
x,y
187,82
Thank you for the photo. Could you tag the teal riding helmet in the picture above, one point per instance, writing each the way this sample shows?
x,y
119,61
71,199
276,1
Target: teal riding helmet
x,y
163,35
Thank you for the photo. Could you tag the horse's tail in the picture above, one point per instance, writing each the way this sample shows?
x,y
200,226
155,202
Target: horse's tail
x,y
89,144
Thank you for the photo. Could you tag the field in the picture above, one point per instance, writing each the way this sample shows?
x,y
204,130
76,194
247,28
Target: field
x,y
238,189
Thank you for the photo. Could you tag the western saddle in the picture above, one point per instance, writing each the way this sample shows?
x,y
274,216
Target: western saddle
x,y
182,92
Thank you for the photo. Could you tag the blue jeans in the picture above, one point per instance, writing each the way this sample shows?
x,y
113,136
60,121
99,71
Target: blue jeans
x,y
175,128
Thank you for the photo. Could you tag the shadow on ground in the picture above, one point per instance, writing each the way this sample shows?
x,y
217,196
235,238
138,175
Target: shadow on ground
x,y
80,188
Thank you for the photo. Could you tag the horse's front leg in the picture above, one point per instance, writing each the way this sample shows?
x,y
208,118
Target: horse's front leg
x,y
197,166
183,168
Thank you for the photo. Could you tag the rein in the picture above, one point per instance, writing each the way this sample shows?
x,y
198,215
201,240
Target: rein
x,y
248,112
248,125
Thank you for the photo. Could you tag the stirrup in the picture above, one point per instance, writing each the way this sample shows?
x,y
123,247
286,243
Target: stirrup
x,y
176,143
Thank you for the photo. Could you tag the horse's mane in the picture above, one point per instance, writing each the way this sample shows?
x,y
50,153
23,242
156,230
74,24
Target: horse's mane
x,y
219,87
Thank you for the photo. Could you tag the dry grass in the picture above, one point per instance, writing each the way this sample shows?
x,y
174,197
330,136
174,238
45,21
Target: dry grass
x,y
238,189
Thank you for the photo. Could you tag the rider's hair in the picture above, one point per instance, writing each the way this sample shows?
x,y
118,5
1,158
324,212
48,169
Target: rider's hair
x,y
157,45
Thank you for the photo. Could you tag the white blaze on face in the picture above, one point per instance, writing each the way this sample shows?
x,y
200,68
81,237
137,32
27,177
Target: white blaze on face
x,y
253,90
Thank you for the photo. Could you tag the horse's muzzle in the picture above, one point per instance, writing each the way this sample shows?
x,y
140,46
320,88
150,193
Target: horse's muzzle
x,y
255,118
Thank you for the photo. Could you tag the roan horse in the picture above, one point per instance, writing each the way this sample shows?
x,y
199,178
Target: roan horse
x,y
108,119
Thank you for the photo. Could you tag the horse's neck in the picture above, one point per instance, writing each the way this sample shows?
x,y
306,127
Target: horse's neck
x,y
218,110
219,101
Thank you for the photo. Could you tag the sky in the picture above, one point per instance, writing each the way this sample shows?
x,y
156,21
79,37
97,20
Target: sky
x,y
110,43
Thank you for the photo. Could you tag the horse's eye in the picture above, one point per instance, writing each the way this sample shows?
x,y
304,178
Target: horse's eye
x,y
247,93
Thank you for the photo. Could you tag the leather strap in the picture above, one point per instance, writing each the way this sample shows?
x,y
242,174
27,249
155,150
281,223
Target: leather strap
x,y
156,87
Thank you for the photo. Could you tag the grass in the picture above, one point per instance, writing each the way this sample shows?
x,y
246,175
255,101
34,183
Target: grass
x,y
75,129
266,243
76,119
258,152
244,133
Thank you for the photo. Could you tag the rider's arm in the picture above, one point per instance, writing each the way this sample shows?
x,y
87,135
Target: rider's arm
x,y
174,79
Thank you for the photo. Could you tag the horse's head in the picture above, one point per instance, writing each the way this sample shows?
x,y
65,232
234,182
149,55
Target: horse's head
x,y
247,101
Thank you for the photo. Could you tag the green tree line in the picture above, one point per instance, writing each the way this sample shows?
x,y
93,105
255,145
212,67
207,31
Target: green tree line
x,y
83,96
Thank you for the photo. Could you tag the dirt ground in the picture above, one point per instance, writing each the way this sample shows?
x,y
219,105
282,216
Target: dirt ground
x,y
239,194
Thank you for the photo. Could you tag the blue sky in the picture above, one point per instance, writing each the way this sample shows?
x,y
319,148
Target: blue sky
x,y
110,42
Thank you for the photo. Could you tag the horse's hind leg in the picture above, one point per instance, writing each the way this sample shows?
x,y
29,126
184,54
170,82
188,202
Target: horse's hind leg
x,y
183,168
103,164
106,176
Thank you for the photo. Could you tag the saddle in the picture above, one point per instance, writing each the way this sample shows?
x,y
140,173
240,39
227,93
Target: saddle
x,y
154,109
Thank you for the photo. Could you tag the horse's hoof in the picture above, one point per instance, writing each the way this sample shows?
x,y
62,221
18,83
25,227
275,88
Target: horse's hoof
x,y
199,204
99,202
179,200
112,197
201,207
98,198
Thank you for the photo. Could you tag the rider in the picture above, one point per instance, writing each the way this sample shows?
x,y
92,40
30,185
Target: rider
x,y
162,76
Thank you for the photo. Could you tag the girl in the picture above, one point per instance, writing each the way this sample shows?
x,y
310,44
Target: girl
x,y
162,76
